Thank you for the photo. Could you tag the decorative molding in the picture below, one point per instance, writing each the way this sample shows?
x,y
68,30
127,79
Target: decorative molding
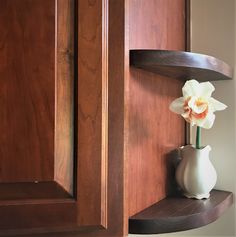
x,y
92,112
104,150
64,94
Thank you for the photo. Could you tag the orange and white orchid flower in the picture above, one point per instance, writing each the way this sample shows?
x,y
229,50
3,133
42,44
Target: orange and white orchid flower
x,y
197,106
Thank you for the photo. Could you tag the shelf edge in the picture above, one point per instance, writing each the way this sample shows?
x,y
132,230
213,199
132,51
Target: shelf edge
x,y
181,65
179,223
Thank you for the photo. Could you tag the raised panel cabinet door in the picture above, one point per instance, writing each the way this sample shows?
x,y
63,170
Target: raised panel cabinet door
x,y
36,116
54,118
59,175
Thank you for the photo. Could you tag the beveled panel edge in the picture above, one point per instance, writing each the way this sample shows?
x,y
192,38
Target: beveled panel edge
x,y
64,96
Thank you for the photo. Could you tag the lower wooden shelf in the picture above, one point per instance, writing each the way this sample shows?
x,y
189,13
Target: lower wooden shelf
x,y
179,213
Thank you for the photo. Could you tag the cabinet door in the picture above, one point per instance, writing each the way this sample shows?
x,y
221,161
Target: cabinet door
x,y
36,115
54,121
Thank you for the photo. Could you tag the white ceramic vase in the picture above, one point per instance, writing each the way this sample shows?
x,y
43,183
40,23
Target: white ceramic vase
x,y
195,173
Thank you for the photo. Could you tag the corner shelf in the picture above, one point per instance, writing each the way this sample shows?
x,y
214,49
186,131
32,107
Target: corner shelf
x,y
179,213
181,65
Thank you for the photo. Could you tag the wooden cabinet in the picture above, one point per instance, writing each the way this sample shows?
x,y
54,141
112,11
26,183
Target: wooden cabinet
x,y
43,106
85,139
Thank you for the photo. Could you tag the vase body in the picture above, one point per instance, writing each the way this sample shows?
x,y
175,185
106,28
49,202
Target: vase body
x,y
195,173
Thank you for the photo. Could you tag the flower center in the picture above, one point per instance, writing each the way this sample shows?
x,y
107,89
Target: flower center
x,y
195,108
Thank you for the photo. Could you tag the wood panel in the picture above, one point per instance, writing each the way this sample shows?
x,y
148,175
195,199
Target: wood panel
x,y
33,61
15,193
157,24
92,112
33,112
153,130
113,22
27,90
39,217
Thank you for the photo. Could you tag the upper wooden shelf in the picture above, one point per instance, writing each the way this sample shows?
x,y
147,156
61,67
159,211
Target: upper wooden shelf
x,y
181,65
179,213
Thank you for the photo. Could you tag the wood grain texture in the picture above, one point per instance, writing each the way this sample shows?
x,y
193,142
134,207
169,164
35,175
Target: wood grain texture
x,y
117,219
154,133
87,215
92,112
27,114
38,217
153,130
27,104
157,24
179,213
15,193
65,76
181,65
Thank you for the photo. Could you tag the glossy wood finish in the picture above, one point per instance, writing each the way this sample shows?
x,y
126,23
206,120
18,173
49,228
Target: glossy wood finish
x,y
33,112
153,131
37,217
117,221
92,112
181,65
27,90
179,213
96,208
157,24
31,109
65,80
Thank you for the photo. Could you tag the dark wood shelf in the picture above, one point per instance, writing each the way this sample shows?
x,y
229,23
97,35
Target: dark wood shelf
x,y
179,213
181,65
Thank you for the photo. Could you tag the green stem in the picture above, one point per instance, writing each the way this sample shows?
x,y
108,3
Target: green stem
x,y
198,138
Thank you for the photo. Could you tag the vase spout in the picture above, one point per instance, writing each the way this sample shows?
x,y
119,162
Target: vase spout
x,y
207,148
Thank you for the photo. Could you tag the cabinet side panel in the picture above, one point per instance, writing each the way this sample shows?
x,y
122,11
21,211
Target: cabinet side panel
x,y
157,24
154,131
27,90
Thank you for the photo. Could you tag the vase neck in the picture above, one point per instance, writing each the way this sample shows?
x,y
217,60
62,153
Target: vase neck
x,y
191,151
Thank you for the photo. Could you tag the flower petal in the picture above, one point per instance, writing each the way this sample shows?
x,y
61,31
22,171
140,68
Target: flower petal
x,y
191,88
216,105
177,106
186,115
206,123
206,89
188,118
